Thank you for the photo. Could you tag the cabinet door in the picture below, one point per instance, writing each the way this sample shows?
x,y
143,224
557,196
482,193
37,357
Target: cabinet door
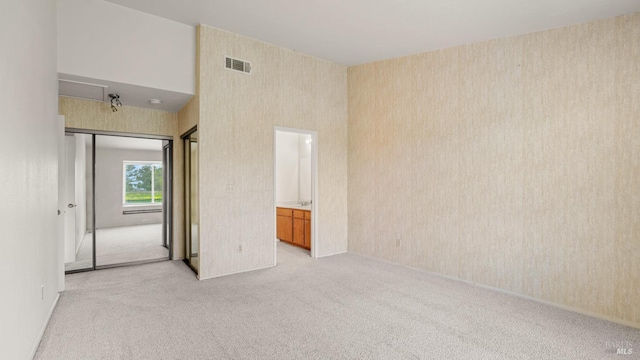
x,y
307,234
284,229
298,231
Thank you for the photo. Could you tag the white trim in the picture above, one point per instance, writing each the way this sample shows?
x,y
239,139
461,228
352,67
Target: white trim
x,y
61,202
511,293
332,254
314,188
44,327
199,277
152,205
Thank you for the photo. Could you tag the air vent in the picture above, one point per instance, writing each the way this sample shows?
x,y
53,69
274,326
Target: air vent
x,y
237,65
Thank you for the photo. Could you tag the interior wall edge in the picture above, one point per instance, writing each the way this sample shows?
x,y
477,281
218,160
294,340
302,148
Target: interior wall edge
x,y
44,327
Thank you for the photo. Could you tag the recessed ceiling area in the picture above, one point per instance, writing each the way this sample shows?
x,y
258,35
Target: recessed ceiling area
x,y
130,95
127,143
362,31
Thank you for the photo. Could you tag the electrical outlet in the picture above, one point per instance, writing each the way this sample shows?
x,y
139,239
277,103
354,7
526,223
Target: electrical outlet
x,y
239,248
42,292
230,188
397,242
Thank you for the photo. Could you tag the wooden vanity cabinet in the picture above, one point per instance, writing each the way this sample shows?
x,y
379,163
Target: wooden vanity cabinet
x,y
284,226
294,227
307,229
298,231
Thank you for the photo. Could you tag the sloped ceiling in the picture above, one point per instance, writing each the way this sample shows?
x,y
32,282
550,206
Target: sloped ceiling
x,y
361,31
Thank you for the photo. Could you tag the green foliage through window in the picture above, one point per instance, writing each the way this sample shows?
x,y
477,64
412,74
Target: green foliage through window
x,y
143,183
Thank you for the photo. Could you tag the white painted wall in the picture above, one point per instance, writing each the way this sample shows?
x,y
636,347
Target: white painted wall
x,y
304,160
293,167
81,190
287,172
109,185
70,198
101,40
89,181
62,165
28,185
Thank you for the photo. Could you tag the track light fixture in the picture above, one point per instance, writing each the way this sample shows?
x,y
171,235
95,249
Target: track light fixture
x,y
115,101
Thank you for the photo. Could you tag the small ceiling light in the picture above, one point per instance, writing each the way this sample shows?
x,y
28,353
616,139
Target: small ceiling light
x,y
115,101
155,101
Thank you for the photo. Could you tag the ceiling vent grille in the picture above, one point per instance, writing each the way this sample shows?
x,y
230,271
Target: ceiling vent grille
x,y
237,65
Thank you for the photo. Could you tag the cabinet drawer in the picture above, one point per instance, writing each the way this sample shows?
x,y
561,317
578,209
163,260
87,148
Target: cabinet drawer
x,y
298,214
284,212
307,215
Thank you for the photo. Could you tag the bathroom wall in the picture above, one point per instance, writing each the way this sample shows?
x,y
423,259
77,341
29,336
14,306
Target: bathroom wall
x,y
304,165
287,167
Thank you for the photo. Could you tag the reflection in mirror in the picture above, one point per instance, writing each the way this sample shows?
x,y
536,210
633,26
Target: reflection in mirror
x,y
78,217
191,199
129,200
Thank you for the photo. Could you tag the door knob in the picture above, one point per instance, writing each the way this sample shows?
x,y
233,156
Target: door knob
x,y
71,206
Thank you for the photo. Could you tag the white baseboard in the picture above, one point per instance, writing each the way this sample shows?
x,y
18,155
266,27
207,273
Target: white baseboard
x,y
512,293
258,268
558,305
332,254
233,273
44,327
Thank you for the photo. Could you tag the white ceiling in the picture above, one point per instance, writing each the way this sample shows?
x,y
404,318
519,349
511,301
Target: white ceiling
x,y
127,143
353,32
130,95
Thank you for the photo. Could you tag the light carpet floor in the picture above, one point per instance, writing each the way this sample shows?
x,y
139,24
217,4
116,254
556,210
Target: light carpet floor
x,y
121,245
341,307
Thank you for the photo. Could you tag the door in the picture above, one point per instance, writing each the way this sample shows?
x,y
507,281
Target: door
x,y
167,183
70,200
130,200
117,200
62,199
78,242
192,244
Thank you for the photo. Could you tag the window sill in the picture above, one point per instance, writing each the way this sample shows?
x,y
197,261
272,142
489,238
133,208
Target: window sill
x,y
142,211
154,205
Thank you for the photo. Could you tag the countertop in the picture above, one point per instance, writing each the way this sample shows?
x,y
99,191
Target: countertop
x,y
294,206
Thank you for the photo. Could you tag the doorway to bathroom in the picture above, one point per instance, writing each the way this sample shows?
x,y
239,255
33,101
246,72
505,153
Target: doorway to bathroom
x,y
295,189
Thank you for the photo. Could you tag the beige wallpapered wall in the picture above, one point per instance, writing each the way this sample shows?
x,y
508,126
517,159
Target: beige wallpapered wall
x,y
93,115
238,113
513,163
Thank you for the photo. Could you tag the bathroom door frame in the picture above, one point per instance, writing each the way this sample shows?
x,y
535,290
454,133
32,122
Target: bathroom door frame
x,y
314,189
